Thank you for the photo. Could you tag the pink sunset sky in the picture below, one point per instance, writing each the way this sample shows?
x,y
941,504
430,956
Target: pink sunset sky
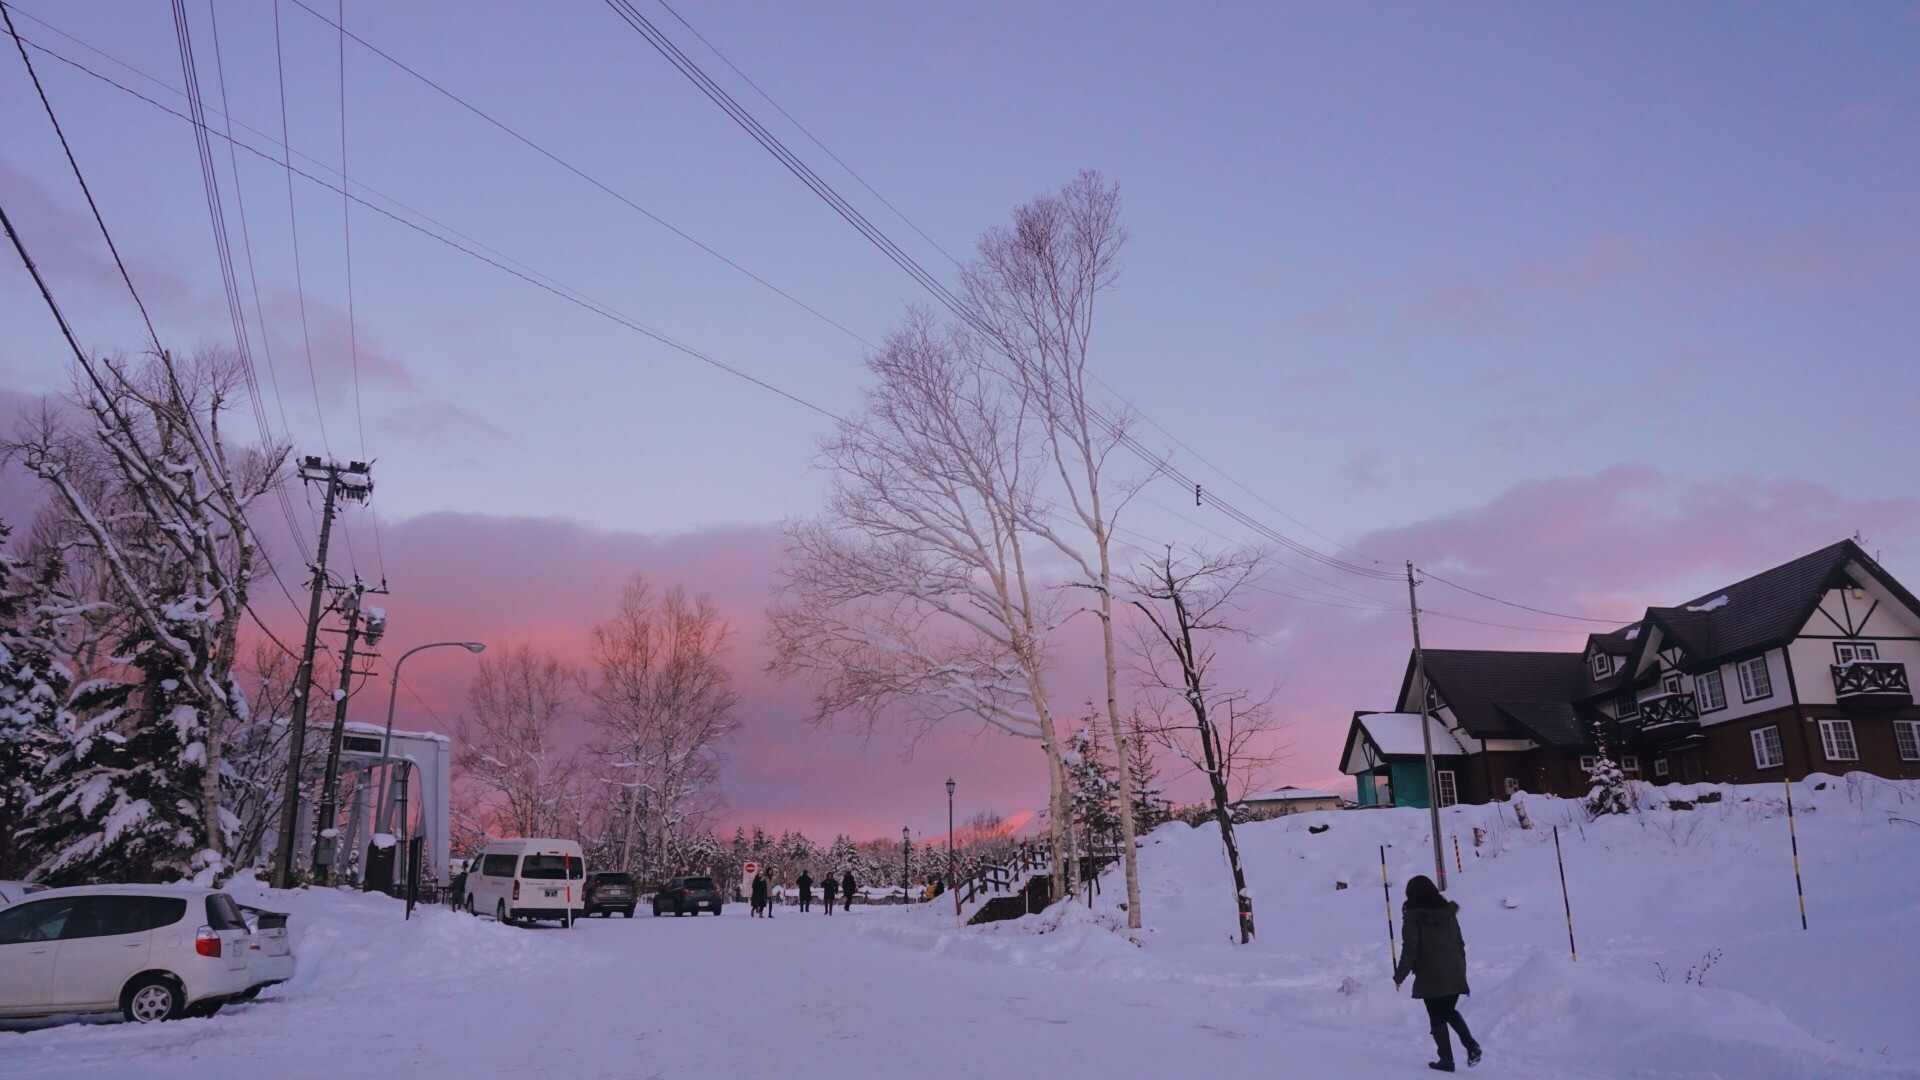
x,y
1587,309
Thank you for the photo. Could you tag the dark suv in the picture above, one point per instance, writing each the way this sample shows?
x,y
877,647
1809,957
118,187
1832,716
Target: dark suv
x,y
608,892
684,894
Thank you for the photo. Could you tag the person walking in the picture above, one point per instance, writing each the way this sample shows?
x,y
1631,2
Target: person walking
x,y
828,886
846,891
760,895
1434,953
806,891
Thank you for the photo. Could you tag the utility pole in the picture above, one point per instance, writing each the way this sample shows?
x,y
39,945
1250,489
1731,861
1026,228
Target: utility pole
x,y
353,482
325,850
1426,734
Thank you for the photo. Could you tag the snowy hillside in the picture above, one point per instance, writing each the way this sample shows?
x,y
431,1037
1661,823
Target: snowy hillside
x,y
882,991
1691,956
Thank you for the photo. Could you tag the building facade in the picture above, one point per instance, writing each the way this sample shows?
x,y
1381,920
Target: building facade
x,y
1802,668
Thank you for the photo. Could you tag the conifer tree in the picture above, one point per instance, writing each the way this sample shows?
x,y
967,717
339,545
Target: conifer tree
x,y
1611,793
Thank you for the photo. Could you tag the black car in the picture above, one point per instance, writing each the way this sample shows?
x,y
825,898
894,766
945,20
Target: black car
x,y
688,894
608,892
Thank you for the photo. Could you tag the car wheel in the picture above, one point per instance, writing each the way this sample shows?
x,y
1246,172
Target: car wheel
x,y
500,913
470,910
251,993
656,911
150,998
200,1010
716,909
627,913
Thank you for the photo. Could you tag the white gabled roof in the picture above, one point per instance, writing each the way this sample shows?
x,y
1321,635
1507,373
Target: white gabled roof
x,y
1398,734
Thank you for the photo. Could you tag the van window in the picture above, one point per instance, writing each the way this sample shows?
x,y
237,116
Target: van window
x,y
497,866
552,867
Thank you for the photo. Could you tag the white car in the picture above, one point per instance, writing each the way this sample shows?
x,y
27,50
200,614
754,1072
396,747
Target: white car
x,y
270,952
534,878
151,952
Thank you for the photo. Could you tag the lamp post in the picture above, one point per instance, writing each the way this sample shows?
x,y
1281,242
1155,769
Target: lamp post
x,y
906,875
386,743
950,881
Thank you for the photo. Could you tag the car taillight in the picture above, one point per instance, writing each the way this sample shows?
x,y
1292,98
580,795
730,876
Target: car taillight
x,y
206,942
686,892
516,890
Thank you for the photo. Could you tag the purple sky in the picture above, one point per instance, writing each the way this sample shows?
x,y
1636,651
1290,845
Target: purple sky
x,y
1599,307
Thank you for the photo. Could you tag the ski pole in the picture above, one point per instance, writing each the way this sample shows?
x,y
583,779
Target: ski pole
x,y
1458,868
1793,837
1564,901
1386,892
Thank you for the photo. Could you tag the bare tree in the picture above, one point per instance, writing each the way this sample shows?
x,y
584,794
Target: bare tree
x,y
911,597
154,501
1034,288
256,751
1187,605
664,702
510,742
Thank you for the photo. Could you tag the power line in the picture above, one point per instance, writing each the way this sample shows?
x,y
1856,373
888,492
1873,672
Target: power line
x,y
1522,607
293,223
582,174
346,229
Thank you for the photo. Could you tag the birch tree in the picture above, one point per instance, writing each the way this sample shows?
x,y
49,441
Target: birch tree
x,y
1186,606
510,741
152,497
1034,288
664,702
911,597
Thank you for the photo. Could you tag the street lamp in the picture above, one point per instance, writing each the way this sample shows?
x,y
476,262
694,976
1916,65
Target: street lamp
x,y
906,875
393,694
950,882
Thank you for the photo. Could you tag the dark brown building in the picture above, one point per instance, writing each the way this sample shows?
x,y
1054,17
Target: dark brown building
x,y
1803,668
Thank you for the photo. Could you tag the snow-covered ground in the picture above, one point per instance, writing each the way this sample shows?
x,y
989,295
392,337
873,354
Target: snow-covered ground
x,y
906,992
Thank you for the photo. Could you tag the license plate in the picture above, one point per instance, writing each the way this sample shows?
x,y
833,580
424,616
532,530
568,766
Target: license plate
x,y
553,892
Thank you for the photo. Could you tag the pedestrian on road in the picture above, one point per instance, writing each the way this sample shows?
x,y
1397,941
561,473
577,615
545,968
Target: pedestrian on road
x,y
1434,953
828,886
806,891
759,895
846,890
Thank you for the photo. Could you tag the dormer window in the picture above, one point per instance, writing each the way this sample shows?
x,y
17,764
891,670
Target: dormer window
x,y
1602,665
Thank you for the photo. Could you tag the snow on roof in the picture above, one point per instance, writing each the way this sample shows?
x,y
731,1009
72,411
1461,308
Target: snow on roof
x,y
1399,733
361,727
1711,605
1289,794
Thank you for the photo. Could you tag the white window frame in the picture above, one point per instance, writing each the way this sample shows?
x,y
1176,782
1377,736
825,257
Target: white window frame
x,y
1630,765
1710,679
1670,683
1837,741
1845,652
1602,665
1768,752
1626,706
1512,785
1660,768
1906,735
1447,787
1756,680
1587,763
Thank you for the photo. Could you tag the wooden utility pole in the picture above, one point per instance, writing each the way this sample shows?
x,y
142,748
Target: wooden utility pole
x,y
1426,735
325,848
353,482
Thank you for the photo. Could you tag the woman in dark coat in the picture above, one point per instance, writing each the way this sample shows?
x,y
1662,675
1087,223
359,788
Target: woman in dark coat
x,y
1435,954
829,885
846,891
759,895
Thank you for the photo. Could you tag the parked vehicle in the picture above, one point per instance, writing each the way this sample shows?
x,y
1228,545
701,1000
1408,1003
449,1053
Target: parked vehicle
x,y
688,894
530,879
270,958
11,891
151,952
607,892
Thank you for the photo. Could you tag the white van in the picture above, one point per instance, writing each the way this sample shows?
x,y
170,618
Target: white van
x,y
535,878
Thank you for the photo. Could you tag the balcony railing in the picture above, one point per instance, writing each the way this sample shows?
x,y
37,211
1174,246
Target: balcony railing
x,y
1877,683
1667,719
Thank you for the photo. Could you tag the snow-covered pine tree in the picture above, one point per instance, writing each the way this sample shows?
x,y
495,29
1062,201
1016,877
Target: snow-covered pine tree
x,y
844,853
1150,808
35,679
1091,791
1611,793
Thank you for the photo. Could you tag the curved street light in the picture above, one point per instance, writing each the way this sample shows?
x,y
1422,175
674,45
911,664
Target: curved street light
x,y
393,694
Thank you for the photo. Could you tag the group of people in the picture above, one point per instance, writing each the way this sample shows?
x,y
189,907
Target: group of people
x,y
830,890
